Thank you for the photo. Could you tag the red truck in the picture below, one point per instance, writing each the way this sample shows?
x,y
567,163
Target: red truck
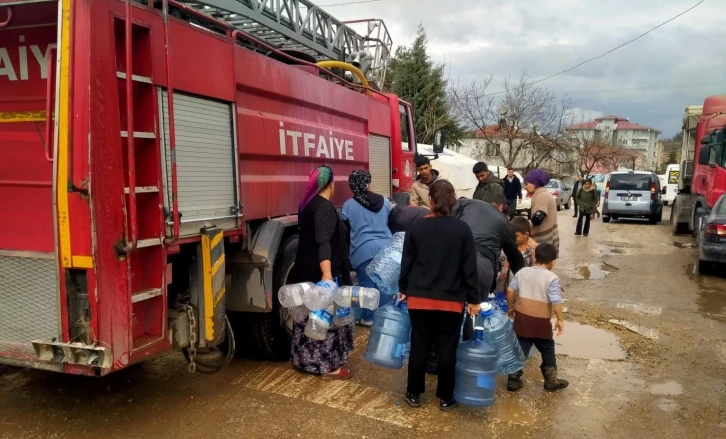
x,y
703,165
152,157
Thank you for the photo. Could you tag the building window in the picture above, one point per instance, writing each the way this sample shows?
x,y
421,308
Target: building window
x,y
493,150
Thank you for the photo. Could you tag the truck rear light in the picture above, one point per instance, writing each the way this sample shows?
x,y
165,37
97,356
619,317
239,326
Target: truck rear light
x,y
716,230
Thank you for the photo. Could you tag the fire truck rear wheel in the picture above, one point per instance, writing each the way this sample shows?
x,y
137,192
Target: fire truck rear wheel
x,y
273,331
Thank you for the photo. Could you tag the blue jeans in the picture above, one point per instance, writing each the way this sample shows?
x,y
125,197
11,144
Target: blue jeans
x,y
365,281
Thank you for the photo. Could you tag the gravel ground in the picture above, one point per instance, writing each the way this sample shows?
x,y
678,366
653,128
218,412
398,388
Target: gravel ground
x,y
644,351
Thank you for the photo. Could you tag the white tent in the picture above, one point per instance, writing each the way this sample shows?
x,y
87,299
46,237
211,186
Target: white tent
x,y
459,169
455,167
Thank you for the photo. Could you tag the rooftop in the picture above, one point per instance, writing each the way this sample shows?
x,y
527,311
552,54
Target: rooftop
x,y
621,123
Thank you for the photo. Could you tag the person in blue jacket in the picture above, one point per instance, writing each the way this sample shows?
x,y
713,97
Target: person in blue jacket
x,y
366,215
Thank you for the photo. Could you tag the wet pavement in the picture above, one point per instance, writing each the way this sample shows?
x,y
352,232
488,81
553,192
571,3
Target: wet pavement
x,y
624,283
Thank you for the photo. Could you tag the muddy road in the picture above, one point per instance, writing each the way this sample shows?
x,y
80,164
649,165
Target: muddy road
x,y
644,350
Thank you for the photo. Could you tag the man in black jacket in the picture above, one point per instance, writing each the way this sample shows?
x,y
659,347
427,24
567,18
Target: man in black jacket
x,y
512,191
492,235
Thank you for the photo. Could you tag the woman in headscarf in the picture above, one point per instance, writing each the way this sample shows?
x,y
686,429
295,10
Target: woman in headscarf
x,y
322,254
366,215
544,209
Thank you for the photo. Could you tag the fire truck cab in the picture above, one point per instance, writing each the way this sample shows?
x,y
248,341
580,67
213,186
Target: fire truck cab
x,y
152,157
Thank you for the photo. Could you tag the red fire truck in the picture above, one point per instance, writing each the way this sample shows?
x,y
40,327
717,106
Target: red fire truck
x,y
152,157
703,170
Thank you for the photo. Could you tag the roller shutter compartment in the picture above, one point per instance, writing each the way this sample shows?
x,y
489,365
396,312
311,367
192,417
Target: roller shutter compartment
x,y
380,164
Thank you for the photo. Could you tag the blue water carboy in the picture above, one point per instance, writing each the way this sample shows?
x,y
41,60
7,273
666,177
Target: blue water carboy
x,y
389,336
499,332
476,370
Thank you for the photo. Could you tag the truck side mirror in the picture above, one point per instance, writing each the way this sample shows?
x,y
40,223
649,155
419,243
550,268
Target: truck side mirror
x,y
705,140
439,142
704,156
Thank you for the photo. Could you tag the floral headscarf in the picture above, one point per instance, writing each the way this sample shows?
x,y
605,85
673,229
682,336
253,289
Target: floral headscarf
x,y
359,181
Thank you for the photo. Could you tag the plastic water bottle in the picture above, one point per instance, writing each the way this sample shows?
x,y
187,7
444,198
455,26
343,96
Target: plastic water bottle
x,y
359,297
389,337
476,369
499,332
320,296
291,298
385,269
319,322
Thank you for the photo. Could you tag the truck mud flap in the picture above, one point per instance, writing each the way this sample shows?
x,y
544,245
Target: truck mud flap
x,y
208,296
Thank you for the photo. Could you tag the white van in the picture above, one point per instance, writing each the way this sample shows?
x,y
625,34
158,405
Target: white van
x,y
670,182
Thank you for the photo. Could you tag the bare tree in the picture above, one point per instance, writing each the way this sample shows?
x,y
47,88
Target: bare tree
x,y
523,122
588,152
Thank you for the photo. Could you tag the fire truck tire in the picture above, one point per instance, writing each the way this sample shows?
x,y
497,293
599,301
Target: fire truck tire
x,y
271,332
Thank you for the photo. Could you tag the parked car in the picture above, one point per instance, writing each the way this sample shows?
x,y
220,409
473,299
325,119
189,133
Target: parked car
x,y
562,193
633,194
712,237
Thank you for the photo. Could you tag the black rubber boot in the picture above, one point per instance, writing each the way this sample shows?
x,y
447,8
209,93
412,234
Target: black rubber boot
x,y
551,382
514,381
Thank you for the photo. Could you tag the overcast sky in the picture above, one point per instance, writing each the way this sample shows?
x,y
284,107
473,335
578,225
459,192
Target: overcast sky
x,y
650,81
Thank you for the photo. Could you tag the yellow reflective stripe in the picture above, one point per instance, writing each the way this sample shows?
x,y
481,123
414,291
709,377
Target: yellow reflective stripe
x,y
22,116
82,262
62,109
218,237
220,295
207,287
217,264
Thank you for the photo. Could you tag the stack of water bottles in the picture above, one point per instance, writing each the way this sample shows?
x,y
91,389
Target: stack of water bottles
x,y
385,269
324,304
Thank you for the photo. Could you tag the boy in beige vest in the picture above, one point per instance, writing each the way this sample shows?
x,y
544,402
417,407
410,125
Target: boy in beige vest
x,y
538,295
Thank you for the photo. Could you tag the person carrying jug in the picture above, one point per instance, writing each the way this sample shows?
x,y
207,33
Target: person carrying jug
x,y
322,254
436,284
366,215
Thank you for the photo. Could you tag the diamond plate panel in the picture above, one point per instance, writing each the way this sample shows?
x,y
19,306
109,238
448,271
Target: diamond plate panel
x,y
28,304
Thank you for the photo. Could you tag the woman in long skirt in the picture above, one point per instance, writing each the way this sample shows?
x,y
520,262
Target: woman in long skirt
x,y
322,254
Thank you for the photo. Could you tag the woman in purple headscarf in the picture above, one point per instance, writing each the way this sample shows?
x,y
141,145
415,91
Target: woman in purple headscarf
x,y
322,254
544,209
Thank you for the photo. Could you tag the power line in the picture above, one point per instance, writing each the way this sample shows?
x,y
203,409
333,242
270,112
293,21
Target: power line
x,y
349,3
612,50
655,87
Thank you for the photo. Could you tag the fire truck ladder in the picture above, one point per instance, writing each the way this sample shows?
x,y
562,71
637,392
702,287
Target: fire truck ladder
x,y
300,25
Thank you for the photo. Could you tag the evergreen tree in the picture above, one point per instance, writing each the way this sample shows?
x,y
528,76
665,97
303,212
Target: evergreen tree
x,y
416,79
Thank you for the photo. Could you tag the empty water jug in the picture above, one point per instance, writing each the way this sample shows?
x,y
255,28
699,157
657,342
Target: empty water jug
x,y
320,296
385,268
319,322
476,370
499,332
358,297
389,337
292,295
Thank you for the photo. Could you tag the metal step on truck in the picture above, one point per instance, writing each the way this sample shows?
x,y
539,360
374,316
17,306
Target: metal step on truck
x,y
152,157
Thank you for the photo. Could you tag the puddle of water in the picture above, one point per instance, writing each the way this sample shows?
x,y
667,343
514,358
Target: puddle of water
x,y
620,244
609,250
651,334
589,343
683,244
712,294
512,410
669,388
595,271
643,310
